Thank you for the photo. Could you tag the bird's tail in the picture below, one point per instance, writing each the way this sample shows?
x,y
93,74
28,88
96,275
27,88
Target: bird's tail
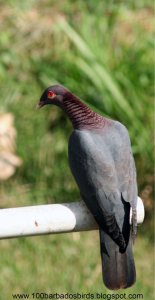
x,y
118,268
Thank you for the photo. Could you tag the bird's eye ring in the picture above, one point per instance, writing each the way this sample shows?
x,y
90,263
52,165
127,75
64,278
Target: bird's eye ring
x,y
50,95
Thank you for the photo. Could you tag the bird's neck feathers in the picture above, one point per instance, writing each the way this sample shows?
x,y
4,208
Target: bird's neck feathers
x,y
81,116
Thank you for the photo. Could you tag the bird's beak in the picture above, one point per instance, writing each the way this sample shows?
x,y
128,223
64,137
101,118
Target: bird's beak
x,y
40,104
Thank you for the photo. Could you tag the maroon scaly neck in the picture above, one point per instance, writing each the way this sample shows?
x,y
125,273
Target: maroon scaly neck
x,y
81,116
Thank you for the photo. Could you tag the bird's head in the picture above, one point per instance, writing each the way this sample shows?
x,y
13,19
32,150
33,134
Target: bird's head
x,y
53,95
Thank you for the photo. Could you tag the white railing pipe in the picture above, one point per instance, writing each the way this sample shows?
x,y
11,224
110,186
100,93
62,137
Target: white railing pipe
x,y
50,218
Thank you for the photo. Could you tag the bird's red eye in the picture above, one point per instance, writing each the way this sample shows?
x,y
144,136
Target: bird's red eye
x,y
50,95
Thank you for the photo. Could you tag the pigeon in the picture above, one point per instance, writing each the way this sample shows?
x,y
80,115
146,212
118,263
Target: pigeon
x,y
102,163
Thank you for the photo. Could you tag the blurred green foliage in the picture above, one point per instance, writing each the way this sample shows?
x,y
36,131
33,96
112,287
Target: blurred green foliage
x,y
103,52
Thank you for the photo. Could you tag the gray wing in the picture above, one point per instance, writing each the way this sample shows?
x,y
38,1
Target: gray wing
x,y
125,165
98,171
126,171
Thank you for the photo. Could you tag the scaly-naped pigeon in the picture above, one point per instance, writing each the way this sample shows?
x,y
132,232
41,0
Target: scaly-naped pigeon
x,y
102,164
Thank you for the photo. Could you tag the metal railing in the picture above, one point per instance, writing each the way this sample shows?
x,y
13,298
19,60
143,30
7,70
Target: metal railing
x,y
50,219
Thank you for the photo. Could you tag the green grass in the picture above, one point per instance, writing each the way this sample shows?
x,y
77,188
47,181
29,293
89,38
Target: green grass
x,y
31,265
104,54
